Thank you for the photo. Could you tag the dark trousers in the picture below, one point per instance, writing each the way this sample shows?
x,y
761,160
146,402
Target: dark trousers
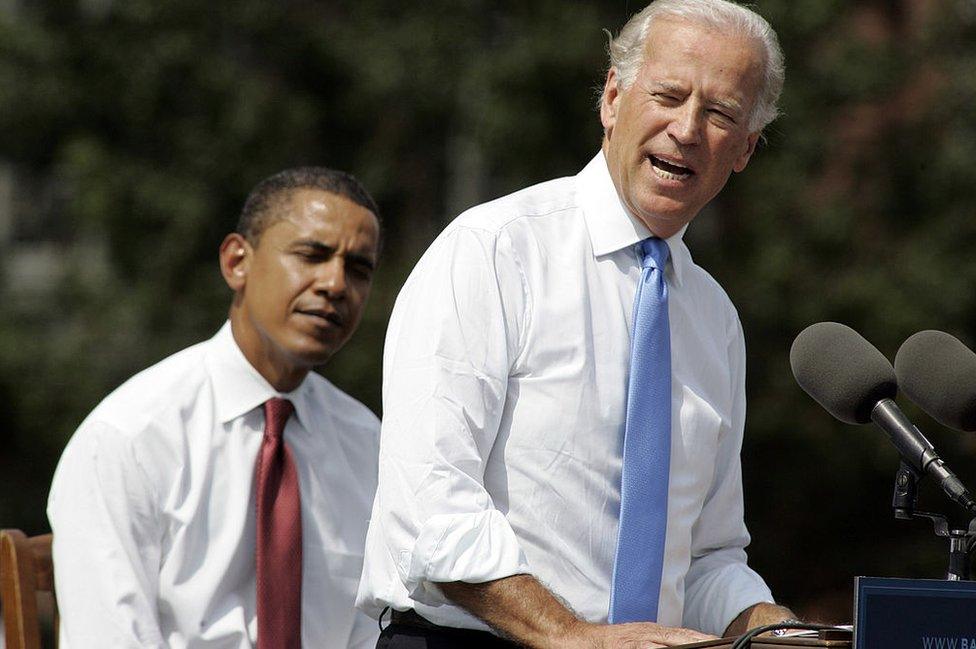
x,y
411,631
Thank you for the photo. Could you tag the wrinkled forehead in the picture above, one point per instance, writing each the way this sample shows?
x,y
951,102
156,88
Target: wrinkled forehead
x,y
326,217
681,50
313,207
695,33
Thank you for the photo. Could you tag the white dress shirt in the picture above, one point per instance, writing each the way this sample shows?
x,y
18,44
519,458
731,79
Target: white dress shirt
x,y
153,508
504,392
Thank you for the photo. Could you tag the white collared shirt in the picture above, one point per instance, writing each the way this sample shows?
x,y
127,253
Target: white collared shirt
x,y
153,507
504,392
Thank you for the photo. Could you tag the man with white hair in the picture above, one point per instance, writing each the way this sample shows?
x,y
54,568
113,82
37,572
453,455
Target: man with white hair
x,y
563,389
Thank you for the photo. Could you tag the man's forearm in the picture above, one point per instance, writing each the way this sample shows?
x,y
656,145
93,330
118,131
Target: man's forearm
x,y
520,608
524,610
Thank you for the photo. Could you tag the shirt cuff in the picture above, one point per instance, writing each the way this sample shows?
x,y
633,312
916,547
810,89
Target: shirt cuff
x,y
470,547
714,600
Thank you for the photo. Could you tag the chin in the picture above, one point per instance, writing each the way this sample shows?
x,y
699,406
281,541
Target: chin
x,y
660,209
317,356
308,352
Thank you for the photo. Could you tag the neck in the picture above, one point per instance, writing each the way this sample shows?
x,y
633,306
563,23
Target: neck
x,y
260,353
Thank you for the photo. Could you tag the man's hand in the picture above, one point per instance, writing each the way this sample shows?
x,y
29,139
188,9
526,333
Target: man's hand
x,y
524,610
636,635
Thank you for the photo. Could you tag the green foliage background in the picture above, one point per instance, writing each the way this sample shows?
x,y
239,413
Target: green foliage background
x,y
134,130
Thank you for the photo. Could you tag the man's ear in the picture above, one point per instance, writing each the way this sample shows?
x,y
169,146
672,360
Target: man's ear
x,y
610,101
235,260
750,148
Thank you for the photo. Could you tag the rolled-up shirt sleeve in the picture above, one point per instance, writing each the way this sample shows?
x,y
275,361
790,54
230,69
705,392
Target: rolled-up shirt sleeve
x,y
719,584
454,334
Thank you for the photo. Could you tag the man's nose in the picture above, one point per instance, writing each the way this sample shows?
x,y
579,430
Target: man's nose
x,y
331,277
685,127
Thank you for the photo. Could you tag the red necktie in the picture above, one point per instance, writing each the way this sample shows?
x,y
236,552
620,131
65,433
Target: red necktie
x,y
279,535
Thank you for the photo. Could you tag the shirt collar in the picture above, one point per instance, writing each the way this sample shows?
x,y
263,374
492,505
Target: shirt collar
x,y
239,388
610,225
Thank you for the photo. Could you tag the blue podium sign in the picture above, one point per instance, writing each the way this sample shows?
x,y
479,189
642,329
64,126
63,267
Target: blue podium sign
x,y
914,614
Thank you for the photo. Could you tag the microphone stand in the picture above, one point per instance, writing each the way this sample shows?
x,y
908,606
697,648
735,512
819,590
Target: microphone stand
x,y
961,542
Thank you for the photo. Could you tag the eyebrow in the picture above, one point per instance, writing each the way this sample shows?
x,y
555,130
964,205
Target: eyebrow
x,y
321,248
732,105
729,105
667,86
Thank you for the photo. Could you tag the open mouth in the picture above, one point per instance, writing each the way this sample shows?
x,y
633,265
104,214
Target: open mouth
x,y
670,170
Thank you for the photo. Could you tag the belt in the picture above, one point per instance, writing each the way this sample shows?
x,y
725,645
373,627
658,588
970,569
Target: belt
x,y
410,618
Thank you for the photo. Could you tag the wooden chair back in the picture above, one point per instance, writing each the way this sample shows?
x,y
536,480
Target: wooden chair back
x,y
26,570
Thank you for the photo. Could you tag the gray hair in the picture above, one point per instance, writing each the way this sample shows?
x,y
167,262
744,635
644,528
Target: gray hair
x,y
627,50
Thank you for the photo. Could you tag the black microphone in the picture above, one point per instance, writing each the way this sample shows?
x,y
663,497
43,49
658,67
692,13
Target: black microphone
x,y
938,373
855,383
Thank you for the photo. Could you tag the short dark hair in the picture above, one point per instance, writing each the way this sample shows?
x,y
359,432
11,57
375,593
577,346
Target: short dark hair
x,y
258,214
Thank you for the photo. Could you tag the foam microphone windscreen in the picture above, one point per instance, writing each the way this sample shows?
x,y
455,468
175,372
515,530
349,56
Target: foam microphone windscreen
x,y
938,373
842,371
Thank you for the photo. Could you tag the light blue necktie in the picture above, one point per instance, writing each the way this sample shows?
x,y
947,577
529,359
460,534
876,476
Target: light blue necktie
x,y
647,449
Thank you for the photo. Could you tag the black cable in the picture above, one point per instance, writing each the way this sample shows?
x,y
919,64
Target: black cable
x,y
379,620
745,640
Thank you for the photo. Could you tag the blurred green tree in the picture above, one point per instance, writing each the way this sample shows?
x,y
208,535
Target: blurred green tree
x,y
130,133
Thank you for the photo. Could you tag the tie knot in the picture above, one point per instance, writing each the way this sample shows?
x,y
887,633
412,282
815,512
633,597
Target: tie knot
x,y
655,253
276,413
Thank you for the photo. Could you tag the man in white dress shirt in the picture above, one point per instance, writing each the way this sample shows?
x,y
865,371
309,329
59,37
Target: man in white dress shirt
x,y
153,506
506,371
